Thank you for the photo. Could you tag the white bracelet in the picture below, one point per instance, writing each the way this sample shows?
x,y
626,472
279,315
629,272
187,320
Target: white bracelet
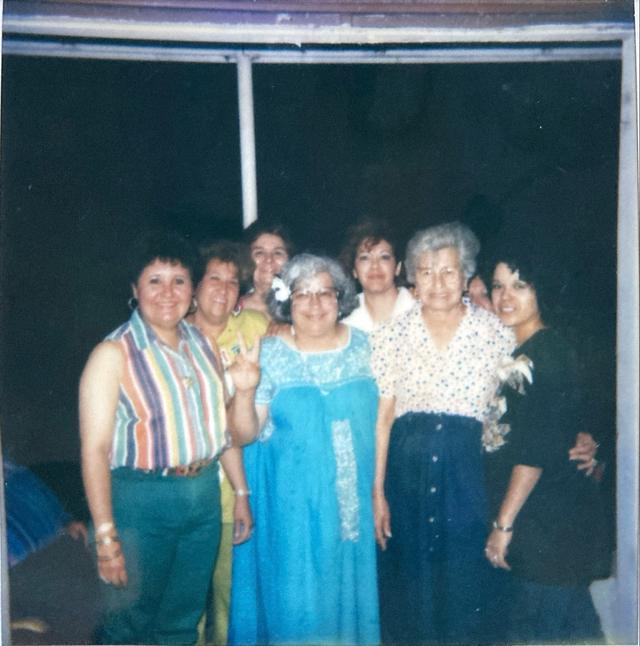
x,y
107,540
502,528
104,527
242,492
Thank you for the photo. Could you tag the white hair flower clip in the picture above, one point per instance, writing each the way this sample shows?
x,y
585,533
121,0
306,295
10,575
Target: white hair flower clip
x,y
280,290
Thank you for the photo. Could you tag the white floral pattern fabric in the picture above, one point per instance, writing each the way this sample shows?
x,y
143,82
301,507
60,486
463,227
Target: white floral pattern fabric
x,y
459,380
346,480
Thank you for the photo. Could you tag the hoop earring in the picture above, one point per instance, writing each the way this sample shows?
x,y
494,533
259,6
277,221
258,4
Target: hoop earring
x,y
132,303
193,308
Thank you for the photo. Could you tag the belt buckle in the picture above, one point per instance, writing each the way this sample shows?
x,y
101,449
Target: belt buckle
x,y
193,469
186,471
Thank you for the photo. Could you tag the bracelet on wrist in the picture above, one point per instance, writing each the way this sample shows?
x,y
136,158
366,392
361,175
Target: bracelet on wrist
x,y
108,540
242,492
502,528
102,528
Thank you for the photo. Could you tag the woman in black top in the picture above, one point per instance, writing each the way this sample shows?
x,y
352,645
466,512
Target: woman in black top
x,y
547,529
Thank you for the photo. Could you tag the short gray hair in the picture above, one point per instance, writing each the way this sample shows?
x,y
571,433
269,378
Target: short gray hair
x,y
304,267
449,234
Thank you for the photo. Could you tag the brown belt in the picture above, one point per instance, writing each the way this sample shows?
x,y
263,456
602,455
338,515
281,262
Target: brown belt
x,y
187,471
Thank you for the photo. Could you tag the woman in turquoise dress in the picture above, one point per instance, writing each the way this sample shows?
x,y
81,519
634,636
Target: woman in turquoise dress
x,y
309,573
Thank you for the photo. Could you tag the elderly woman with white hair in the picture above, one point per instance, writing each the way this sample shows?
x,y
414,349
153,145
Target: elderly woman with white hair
x,y
437,372
309,573
435,367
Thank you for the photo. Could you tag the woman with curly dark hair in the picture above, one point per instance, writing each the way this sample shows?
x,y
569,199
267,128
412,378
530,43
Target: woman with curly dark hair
x,y
154,427
548,527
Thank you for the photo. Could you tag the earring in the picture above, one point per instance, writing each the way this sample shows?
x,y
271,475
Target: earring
x,y
132,303
193,307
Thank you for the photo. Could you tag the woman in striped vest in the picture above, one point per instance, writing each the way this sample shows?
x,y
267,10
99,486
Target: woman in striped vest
x,y
153,428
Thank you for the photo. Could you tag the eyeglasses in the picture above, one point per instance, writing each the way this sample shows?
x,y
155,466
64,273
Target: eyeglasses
x,y
304,296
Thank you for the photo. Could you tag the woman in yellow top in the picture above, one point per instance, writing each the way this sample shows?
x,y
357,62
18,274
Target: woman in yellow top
x,y
227,270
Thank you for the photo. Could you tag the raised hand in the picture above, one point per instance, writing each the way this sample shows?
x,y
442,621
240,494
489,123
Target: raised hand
x,y
245,370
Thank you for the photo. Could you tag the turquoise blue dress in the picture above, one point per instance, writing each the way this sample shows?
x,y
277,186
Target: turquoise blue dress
x,y
308,575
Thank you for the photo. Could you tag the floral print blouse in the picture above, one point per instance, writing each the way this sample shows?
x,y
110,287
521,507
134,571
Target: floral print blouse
x,y
459,380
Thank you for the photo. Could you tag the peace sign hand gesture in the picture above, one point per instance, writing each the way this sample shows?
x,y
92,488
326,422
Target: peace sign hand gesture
x,y
245,375
245,370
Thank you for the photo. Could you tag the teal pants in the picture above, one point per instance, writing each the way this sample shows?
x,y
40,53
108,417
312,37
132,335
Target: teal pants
x,y
169,529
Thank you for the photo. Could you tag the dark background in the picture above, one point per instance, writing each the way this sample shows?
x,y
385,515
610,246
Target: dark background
x,y
95,151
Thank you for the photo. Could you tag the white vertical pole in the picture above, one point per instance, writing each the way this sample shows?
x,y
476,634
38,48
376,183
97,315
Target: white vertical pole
x,y
626,603
247,142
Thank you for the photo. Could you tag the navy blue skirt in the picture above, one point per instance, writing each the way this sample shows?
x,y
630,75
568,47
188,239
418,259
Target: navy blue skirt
x,y
435,584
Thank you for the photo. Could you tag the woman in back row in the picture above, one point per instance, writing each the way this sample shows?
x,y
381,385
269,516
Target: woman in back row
x,y
270,246
372,256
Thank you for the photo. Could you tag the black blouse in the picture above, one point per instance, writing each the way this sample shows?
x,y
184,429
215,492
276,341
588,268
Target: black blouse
x,y
558,534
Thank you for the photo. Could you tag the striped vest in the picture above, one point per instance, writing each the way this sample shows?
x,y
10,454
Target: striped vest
x,y
171,408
